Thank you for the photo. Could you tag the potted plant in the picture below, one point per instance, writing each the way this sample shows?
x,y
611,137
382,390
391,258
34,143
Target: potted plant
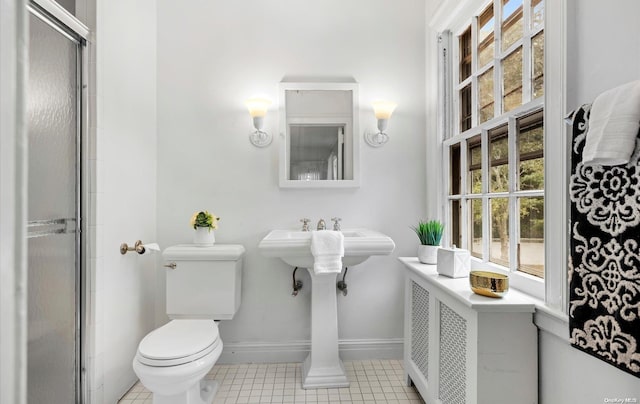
x,y
204,223
430,234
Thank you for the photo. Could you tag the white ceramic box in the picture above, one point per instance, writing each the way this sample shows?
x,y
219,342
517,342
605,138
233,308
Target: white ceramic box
x,y
454,262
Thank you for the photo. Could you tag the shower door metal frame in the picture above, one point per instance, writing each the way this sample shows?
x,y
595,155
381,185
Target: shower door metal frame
x,y
69,26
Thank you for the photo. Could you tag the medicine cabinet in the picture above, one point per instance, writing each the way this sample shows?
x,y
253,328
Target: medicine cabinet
x,y
319,127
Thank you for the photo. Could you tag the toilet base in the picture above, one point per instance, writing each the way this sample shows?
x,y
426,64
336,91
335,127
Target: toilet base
x,y
201,393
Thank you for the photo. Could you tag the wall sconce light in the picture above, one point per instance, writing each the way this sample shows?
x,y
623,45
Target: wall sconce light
x,y
383,111
258,109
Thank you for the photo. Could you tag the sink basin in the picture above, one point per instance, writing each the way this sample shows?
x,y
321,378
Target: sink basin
x,y
294,246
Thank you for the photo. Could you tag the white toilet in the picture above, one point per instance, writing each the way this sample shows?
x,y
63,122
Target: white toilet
x,y
203,285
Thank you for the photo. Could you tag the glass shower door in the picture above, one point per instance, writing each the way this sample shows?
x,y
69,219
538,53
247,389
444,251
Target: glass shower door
x,y
53,184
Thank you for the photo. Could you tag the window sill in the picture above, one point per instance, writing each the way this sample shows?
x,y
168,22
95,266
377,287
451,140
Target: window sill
x,y
458,289
544,317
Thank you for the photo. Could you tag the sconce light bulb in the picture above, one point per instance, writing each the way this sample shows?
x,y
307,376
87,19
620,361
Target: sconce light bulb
x,y
384,109
257,106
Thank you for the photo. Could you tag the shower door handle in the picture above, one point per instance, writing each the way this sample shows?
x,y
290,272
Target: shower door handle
x,y
50,227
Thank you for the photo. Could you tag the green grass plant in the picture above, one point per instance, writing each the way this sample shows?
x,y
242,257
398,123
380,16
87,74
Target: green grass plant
x,y
429,232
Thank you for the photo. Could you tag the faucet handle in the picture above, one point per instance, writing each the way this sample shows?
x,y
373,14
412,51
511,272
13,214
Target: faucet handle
x,y
305,224
336,223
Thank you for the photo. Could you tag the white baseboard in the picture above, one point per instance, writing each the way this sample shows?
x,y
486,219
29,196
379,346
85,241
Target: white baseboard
x,y
297,351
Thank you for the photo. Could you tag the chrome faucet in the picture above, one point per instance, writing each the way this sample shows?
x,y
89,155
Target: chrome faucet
x,y
336,223
321,225
305,224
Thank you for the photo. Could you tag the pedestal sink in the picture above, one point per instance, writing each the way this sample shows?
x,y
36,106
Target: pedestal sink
x,y
323,367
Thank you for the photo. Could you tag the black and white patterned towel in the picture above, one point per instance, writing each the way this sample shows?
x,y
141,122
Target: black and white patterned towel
x,y
604,267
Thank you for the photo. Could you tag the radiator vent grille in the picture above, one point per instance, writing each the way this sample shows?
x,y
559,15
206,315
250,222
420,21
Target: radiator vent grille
x,y
453,356
420,328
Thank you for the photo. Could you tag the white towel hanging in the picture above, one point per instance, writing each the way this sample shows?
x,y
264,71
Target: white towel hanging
x,y
613,126
327,248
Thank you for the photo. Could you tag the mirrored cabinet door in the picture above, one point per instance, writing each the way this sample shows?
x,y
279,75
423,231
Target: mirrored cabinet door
x,y
318,123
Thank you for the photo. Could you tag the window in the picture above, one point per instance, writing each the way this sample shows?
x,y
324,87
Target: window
x,y
495,199
505,69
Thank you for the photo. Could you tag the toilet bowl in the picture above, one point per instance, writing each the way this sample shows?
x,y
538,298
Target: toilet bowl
x,y
173,360
203,286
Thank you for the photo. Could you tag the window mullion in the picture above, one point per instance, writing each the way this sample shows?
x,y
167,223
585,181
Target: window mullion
x,y
497,61
527,68
486,209
475,116
535,31
474,72
497,88
484,68
463,84
464,213
513,154
514,210
514,47
446,190
484,142
529,194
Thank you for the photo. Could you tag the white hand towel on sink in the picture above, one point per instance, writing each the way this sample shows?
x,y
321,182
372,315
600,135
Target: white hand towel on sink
x,y
613,126
327,248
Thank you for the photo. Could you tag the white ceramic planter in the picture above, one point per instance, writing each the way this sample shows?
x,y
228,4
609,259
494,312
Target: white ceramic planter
x,y
428,254
203,237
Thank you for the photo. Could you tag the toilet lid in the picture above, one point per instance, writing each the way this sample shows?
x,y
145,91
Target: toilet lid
x,y
179,341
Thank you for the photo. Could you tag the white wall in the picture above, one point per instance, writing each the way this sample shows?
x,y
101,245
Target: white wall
x,y
568,375
214,55
604,47
125,189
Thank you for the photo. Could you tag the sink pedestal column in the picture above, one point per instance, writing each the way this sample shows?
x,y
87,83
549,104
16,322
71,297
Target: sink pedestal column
x,y
323,367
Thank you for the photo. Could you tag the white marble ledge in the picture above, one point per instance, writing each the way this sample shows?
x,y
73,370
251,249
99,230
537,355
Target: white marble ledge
x,y
514,301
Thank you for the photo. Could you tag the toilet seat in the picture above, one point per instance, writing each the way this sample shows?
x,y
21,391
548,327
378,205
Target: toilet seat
x,y
179,342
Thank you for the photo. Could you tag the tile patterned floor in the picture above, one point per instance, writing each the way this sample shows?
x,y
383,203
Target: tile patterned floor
x,y
372,382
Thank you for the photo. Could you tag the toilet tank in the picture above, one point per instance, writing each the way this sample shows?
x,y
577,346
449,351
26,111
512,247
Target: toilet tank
x,y
205,281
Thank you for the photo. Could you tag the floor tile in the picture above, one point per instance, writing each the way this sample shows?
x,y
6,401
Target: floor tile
x,y
372,382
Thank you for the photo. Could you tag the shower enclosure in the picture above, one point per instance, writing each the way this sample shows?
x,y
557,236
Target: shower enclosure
x,y
55,276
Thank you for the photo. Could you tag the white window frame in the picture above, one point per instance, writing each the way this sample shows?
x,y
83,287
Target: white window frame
x,y
455,16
